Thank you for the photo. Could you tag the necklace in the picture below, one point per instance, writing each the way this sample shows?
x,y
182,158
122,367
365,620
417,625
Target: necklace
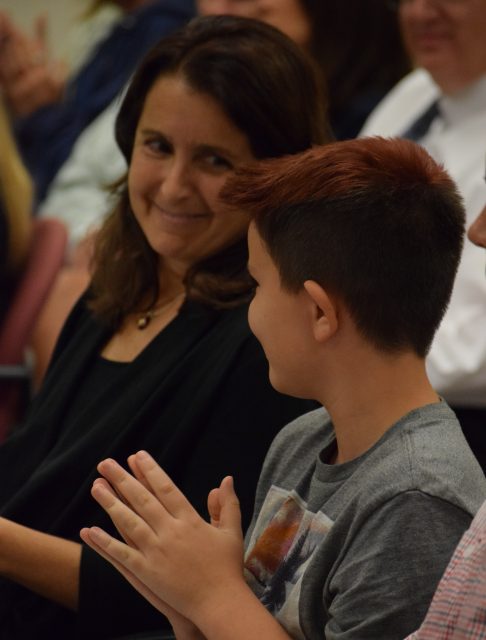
x,y
145,319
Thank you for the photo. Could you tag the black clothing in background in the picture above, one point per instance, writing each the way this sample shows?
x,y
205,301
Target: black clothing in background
x,y
473,424
197,398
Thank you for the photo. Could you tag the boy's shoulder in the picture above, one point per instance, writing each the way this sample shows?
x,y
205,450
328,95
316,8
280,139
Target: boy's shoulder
x,y
425,451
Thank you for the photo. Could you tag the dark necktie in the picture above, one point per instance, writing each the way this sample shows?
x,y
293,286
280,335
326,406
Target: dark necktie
x,y
420,126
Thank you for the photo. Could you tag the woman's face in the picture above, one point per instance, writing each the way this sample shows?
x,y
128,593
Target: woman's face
x,y
185,148
287,15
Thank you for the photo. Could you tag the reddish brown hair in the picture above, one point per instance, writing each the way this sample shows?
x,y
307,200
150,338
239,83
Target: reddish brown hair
x,y
375,221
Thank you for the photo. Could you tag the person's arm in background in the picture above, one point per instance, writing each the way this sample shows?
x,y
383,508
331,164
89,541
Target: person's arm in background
x,y
30,79
46,564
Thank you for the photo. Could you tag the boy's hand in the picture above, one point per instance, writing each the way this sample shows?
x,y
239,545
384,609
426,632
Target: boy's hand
x,y
172,556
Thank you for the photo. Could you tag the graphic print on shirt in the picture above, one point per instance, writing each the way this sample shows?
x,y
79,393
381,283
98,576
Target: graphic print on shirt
x,y
281,547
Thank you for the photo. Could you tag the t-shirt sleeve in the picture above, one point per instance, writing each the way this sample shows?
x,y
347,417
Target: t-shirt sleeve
x,y
387,578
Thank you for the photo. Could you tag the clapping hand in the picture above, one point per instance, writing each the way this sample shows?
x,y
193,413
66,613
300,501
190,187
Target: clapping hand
x,y
174,558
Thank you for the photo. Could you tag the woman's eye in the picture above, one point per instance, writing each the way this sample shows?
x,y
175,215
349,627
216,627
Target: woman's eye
x,y
218,162
254,283
158,146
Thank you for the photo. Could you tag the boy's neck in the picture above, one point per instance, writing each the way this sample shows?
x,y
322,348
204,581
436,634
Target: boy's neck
x,y
365,404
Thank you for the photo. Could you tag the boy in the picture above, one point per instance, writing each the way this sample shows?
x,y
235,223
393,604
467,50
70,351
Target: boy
x,y
353,248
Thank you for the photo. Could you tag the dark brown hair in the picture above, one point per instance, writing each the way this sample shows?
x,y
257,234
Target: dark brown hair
x,y
267,87
359,49
375,221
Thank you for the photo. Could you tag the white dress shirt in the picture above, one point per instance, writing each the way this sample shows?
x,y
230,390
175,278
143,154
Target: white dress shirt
x,y
457,139
79,194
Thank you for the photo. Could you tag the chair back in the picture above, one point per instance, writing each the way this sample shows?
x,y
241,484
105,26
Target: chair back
x,y
44,260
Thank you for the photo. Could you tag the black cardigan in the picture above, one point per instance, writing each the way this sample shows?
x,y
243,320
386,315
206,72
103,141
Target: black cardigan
x,y
198,398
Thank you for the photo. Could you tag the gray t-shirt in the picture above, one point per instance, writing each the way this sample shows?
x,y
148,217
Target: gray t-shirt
x,y
355,551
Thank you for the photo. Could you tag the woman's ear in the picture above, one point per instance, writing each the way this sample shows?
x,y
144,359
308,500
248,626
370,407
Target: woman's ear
x,y
325,313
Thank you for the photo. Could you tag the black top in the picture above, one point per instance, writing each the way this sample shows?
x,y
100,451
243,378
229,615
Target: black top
x,y
197,397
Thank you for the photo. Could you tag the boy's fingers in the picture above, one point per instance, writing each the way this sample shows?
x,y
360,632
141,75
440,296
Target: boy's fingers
x,y
132,463
138,530
103,483
163,487
131,489
155,503
116,552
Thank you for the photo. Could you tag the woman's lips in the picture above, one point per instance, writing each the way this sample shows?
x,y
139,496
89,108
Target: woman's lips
x,y
179,218
427,40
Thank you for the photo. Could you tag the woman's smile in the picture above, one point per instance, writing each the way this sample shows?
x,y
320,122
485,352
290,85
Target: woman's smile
x,y
179,218
185,149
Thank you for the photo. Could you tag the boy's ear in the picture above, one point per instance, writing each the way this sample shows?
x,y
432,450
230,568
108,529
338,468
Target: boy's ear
x,y
325,320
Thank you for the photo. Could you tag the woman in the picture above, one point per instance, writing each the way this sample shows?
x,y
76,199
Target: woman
x,y
158,354
356,44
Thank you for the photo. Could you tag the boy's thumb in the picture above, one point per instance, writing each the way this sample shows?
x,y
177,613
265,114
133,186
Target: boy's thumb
x,y
230,515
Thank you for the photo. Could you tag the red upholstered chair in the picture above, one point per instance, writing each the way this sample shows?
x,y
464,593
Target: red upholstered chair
x,y
45,258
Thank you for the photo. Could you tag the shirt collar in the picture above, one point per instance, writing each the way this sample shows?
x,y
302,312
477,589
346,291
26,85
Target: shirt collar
x,y
464,104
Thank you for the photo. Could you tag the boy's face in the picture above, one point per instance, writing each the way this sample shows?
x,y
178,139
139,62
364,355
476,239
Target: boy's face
x,y
281,322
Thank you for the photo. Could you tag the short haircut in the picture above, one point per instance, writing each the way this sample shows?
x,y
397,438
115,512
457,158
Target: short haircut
x,y
374,221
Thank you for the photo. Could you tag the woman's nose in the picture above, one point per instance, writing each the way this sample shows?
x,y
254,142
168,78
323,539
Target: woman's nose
x,y
176,181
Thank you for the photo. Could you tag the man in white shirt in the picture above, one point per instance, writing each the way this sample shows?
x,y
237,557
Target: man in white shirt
x,y
446,39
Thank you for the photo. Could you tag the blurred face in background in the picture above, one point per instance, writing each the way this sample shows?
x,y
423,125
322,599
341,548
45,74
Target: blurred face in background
x,y
286,15
477,231
447,37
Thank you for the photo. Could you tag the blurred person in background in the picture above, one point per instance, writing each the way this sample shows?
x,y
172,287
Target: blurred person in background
x,y
49,111
442,105
356,45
